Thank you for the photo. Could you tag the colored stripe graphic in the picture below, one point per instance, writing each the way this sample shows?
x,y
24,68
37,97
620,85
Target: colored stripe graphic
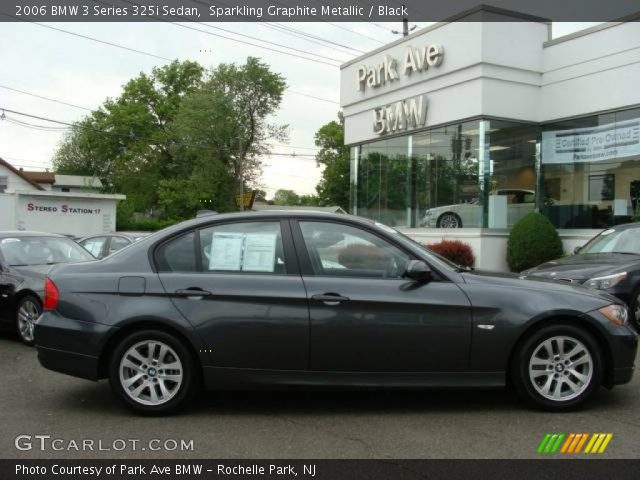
x,y
573,443
598,442
550,443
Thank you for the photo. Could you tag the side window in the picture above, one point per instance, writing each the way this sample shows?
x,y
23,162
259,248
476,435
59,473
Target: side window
x,y
117,243
94,245
243,247
178,254
342,250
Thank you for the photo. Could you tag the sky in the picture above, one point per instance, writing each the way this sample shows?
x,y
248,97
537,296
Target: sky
x,y
49,63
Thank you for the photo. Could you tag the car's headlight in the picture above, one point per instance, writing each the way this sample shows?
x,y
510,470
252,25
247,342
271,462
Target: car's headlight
x,y
616,314
603,283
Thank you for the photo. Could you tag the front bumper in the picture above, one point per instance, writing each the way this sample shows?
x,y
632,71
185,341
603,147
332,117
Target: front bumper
x,y
70,346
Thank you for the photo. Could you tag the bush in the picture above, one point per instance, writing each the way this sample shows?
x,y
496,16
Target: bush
x,y
533,240
458,252
144,225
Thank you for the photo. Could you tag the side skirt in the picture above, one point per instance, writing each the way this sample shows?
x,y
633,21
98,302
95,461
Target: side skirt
x,y
220,378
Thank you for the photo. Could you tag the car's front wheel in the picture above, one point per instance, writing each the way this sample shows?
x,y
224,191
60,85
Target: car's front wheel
x,y
449,220
558,367
153,373
28,311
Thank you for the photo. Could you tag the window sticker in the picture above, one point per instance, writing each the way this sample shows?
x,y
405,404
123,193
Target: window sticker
x,y
226,251
259,252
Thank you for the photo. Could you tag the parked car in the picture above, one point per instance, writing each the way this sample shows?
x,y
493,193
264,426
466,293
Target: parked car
x,y
519,203
101,246
609,262
303,299
25,258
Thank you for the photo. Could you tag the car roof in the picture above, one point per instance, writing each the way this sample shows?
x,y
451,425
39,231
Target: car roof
x,y
99,235
267,214
27,233
625,226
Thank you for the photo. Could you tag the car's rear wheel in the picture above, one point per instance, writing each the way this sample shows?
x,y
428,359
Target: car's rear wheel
x,y
153,373
28,311
449,220
558,367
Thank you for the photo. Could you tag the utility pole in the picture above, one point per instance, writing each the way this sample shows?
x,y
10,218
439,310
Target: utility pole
x,y
405,28
241,172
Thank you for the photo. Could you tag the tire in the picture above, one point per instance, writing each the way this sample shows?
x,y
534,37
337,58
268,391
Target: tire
x,y
536,374
449,220
28,310
139,376
635,308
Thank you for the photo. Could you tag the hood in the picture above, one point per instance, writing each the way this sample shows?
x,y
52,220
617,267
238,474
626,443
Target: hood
x,y
580,268
506,280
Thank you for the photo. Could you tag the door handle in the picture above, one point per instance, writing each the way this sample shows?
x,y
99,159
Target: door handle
x,y
193,293
330,298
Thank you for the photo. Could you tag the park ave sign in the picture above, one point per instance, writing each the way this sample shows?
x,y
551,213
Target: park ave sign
x,y
405,114
415,60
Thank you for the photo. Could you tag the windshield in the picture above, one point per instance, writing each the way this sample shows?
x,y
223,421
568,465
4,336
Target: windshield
x,y
22,251
614,241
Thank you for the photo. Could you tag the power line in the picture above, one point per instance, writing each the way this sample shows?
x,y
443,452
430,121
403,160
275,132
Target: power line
x,y
296,32
60,122
235,39
6,87
141,52
353,31
284,29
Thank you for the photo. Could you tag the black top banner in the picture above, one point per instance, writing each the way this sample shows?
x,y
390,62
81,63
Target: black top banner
x,y
316,10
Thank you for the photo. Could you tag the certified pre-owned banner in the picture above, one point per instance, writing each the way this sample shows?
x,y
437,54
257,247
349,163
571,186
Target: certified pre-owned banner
x,y
319,469
315,10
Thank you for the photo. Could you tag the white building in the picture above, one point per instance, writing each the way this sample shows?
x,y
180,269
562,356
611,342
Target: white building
x,y
65,204
461,128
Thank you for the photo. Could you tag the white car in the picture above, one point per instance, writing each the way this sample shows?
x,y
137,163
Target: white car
x,y
519,203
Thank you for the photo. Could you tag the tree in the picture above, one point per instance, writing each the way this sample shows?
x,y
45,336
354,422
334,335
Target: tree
x,y
253,93
286,197
179,137
128,141
334,186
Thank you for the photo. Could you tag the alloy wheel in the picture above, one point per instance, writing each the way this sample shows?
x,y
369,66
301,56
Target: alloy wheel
x,y
636,311
449,220
151,373
28,313
561,368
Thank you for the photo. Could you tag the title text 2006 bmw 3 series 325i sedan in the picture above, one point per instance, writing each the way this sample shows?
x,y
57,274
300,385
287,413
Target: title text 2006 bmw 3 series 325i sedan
x,y
303,299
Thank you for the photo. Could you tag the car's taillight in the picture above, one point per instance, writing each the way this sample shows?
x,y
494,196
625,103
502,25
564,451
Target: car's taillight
x,y
51,295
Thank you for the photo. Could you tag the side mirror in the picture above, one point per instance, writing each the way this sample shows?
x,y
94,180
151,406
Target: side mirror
x,y
577,249
419,271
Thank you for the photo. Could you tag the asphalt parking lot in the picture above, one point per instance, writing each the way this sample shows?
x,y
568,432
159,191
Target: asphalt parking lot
x,y
382,424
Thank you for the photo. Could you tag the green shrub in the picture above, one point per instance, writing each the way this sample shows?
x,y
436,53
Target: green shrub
x,y
144,225
533,240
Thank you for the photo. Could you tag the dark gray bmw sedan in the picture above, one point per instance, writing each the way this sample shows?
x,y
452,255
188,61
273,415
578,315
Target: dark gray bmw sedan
x,y
307,299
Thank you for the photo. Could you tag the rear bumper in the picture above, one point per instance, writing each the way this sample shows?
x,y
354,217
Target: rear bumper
x,y
70,363
70,346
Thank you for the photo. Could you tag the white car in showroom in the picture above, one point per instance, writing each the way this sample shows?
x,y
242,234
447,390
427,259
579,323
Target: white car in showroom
x,y
519,203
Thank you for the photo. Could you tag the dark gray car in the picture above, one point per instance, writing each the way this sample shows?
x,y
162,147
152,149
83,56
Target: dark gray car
x,y
297,299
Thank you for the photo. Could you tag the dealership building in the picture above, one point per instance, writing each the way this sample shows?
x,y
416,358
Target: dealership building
x,y
461,128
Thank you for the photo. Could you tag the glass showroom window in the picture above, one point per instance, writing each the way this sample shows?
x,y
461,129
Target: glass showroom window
x,y
590,170
511,172
383,175
446,177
